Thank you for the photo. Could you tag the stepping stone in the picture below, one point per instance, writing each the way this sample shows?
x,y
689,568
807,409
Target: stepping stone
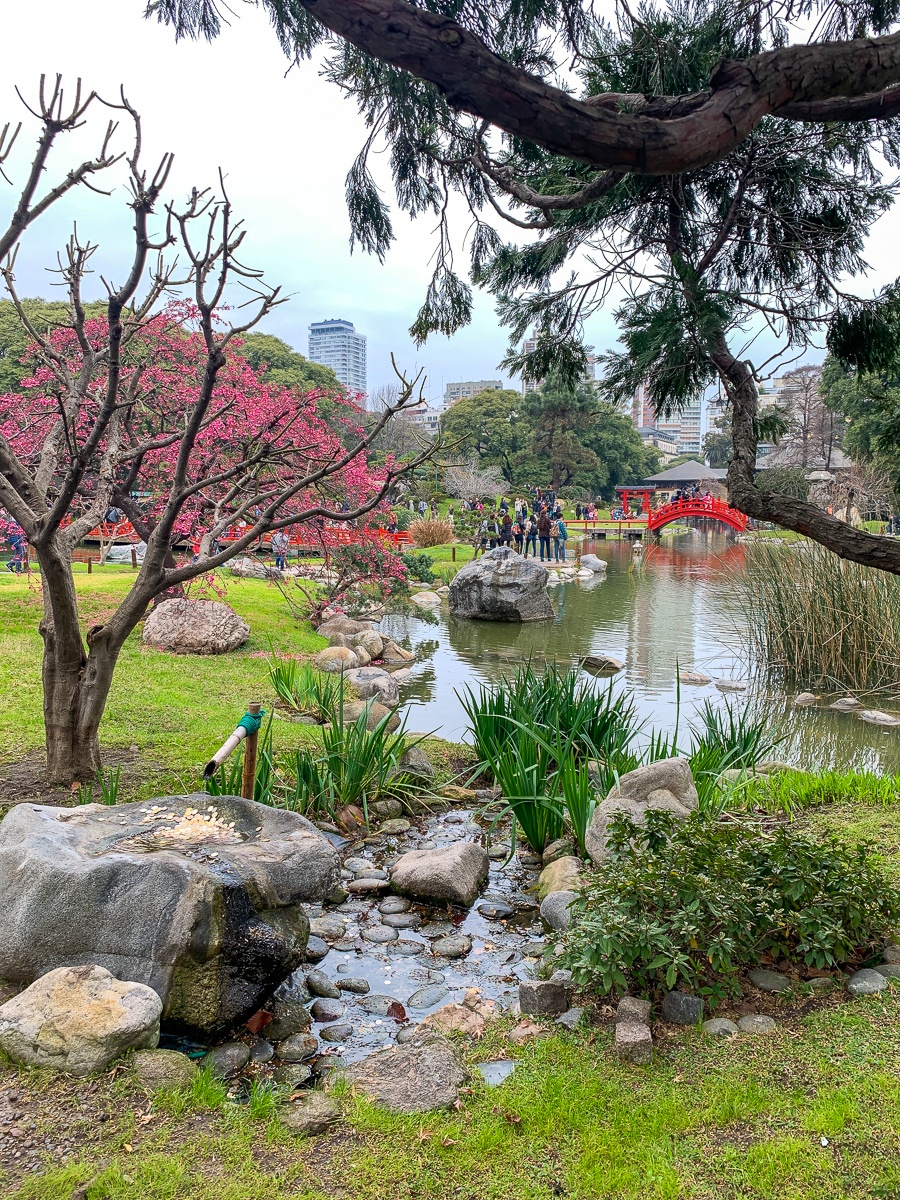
x,y
757,1023
380,934
493,1073
456,946
770,981
394,905
401,920
407,947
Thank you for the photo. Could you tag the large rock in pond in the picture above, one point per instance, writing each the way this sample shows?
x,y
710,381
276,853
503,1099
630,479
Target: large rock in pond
x,y
79,1019
195,627
666,785
452,873
198,898
373,683
501,586
591,562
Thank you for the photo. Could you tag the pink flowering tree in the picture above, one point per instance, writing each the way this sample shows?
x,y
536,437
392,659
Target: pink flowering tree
x,y
152,409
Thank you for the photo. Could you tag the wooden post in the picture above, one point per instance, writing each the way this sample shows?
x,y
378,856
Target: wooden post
x,y
249,778
89,564
453,554
133,559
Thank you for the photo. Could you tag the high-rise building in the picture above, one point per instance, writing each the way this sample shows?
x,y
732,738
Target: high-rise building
x,y
336,344
685,428
642,414
472,387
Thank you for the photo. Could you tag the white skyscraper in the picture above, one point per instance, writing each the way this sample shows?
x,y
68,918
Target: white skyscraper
x,y
336,344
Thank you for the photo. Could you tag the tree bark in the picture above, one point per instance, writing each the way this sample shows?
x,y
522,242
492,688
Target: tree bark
x,y
856,545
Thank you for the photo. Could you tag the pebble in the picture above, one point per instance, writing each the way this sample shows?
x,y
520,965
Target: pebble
x,y
367,886
327,1010
426,997
495,910
866,983
377,1005
769,981
316,949
298,1048
359,986
397,825
757,1023
336,1033
380,934
720,1027
372,873
407,947
403,920
392,905
436,929
262,1051
358,864
228,1060
330,928
498,853
456,946
320,985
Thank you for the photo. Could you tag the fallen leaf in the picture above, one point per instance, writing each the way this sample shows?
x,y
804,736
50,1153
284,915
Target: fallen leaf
x,y
512,1118
396,1010
259,1021
144,1119
128,1147
448,1141
425,1134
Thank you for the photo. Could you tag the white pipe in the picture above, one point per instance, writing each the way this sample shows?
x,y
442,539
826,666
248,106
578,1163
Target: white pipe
x,y
227,748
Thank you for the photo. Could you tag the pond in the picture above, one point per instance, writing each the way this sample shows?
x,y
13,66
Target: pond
x,y
673,610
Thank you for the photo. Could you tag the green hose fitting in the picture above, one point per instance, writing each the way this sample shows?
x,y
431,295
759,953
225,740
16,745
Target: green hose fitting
x,y
250,723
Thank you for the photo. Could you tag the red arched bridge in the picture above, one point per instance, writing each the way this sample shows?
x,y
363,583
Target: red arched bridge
x,y
709,507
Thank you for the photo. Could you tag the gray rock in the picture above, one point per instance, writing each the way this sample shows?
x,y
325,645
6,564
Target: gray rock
x,y
366,885
821,986
402,920
320,985
372,873
730,685
315,1114
891,953
681,1009
757,1023
330,928
769,981
457,945
423,1074
846,704
342,625
195,627
293,1075
395,825
453,873
373,683
889,970
376,1004
416,762
501,586
602,664
228,1060
864,983
407,947
804,699
337,896
79,1019
262,1051
570,1020
591,562
427,997
538,997
720,1027
359,987
555,910
211,921
380,934
874,716
386,808
327,1010
316,949
300,1047
634,1043
666,785
495,910
375,714
394,905
161,1069
251,568
694,678
336,1033
633,1009
436,929
288,1017
335,659
562,848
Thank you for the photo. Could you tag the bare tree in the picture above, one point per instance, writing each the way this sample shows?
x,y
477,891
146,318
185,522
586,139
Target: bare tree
x,y
467,479
108,423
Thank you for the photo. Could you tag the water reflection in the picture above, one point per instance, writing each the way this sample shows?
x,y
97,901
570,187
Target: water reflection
x,y
673,608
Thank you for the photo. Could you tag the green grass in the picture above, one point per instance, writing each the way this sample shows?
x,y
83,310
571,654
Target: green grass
x,y
176,710
705,1121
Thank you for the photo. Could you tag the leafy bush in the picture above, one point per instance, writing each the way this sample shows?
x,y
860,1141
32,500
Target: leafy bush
x,y
431,532
418,566
691,903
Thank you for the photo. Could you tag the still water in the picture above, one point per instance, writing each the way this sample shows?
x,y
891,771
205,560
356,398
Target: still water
x,y
673,610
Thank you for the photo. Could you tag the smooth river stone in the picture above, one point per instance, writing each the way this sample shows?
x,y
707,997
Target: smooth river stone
x,y
403,920
377,1005
380,934
392,905
426,997
407,946
456,946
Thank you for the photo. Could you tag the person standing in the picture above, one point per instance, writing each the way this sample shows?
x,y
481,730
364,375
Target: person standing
x,y
15,535
543,530
279,549
531,536
519,534
560,534
506,529
423,509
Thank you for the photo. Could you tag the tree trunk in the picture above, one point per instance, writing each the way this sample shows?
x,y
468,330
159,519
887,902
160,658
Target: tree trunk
x,y
76,679
869,549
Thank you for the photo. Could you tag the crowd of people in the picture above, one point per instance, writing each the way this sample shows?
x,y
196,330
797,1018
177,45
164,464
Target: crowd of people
x,y
536,525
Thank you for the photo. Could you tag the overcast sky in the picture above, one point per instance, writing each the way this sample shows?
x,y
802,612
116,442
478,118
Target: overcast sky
x,y
285,140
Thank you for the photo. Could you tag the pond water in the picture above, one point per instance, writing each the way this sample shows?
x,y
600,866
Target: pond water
x,y
675,609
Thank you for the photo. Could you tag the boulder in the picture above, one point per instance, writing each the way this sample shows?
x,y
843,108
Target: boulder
x,y
252,568
372,683
79,1019
392,653
335,659
874,716
160,1069
555,910
195,627
369,641
846,704
199,899
423,1074
353,710
602,664
451,873
590,562
426,599
562,875
694,678
802,699
667,785
416,762
501,586
342,625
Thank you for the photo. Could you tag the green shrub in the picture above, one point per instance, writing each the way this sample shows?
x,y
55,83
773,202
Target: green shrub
x,y
691,903
791,792
418,566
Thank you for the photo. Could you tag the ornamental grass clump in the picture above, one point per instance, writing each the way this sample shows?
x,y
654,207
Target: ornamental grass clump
x,y
691,904
433,531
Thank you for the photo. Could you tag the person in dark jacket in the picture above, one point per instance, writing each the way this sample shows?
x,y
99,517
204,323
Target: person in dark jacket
x,y
543,529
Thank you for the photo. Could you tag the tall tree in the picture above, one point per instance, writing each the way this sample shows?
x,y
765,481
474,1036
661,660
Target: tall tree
x,y
491,424
277,363
153,402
